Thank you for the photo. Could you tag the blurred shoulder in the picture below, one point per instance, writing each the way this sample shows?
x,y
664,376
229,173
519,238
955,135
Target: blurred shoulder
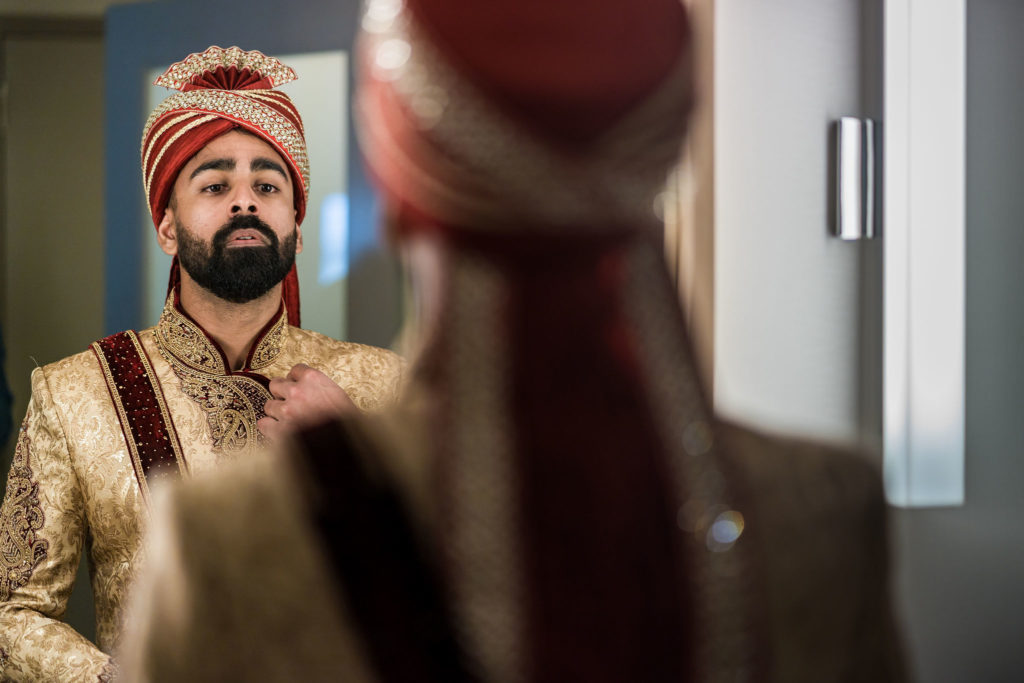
x,y
215,504
802,474
817,543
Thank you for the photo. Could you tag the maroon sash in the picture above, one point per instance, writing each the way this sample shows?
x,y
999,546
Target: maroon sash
x,y
145,421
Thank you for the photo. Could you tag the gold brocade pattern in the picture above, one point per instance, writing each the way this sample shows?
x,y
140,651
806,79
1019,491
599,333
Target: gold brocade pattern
x,y
233,403
242,107
21,517
269,347
109,673
91,502
181,337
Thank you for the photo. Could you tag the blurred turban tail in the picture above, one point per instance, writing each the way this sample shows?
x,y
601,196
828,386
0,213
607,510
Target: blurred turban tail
x,y
532,138
221,90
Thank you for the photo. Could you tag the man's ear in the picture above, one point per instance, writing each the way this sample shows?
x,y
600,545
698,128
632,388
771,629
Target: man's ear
x,y
298,239
166,236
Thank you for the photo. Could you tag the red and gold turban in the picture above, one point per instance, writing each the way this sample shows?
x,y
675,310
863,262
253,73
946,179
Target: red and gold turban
x,y
223,89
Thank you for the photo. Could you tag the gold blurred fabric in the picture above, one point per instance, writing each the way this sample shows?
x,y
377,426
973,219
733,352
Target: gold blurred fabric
x,y
269,611
236,560
73,487
226,598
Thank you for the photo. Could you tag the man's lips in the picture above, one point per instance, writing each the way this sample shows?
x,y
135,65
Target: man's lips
x,y
246,237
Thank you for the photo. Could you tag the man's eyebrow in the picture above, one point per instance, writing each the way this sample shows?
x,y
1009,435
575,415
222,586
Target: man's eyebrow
x,y
213,165
265,164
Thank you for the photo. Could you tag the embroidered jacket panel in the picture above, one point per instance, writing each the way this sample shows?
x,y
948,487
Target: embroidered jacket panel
x,y
73,486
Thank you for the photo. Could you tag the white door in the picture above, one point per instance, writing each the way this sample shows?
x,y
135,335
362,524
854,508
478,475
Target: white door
x,y
786,317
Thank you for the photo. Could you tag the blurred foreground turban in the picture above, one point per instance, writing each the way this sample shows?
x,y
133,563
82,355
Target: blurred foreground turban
x,y
221,90
526,116
533,137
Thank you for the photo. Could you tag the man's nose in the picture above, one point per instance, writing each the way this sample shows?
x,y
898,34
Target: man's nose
x,y
244,201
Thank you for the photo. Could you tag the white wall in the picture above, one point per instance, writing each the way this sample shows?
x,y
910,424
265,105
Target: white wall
x,y
960,571
788,305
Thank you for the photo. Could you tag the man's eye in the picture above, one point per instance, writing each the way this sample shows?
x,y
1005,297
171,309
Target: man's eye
x,y
214,188
266,188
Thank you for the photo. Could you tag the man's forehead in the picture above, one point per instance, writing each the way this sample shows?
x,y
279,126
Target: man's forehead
x,y
235,145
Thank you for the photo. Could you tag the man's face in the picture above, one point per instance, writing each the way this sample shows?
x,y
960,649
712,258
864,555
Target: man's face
x,y
231,220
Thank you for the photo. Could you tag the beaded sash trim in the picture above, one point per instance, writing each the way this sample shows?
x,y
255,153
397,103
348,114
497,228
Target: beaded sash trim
x,y
141,408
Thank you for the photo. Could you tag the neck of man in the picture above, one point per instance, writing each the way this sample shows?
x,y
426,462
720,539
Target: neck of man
x,y
233,326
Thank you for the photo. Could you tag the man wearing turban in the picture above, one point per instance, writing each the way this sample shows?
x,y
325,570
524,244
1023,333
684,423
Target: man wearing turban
x,y
226,175
551,499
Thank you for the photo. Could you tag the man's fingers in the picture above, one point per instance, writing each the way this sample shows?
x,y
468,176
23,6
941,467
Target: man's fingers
x,y
269,427
273,408
297,371
279,410
343,401
304,396
281,387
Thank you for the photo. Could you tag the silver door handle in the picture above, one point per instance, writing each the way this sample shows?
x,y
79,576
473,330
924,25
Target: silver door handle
x,y
856,188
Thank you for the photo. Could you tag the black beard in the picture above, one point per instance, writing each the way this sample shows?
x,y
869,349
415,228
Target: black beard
x,y
236,275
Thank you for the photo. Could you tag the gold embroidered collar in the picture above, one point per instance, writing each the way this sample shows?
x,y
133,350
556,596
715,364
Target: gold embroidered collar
x,y
232,401
181,336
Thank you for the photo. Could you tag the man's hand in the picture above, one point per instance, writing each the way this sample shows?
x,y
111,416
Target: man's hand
x,y
302,398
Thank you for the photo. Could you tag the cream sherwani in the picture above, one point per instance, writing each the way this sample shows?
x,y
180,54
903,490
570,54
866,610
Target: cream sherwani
x,y
77,481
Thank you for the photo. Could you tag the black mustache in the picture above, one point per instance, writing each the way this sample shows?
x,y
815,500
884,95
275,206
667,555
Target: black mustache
x,y
248,221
